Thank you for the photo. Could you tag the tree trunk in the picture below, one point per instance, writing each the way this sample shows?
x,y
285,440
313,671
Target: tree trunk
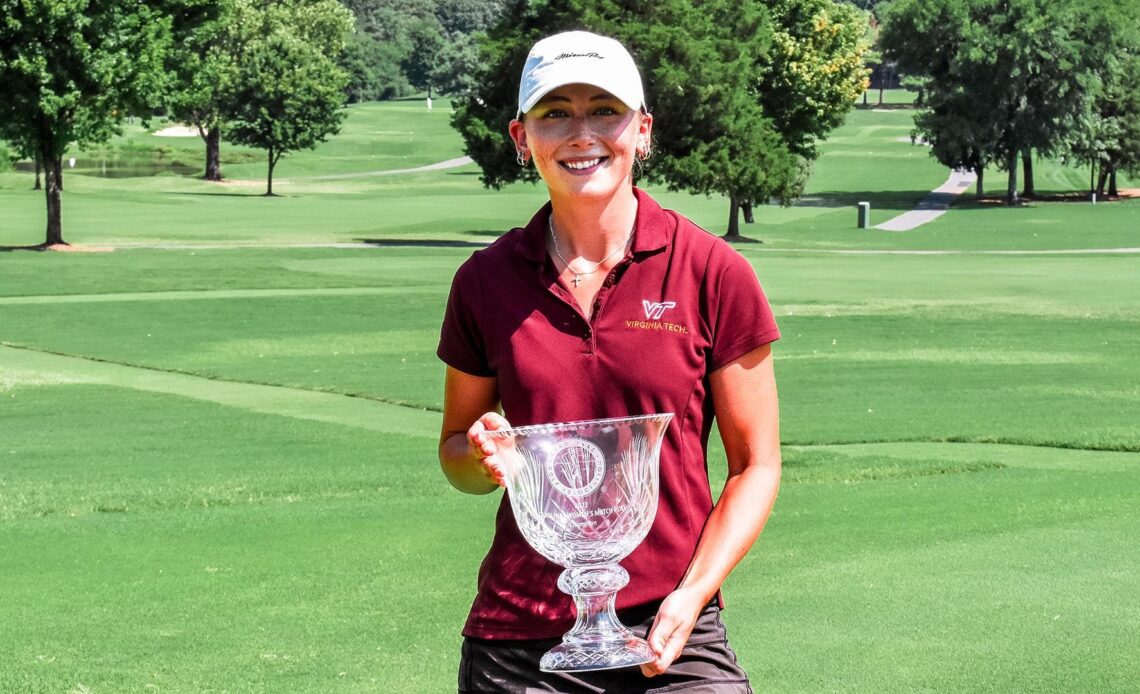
x,y
37,186
1112,191
981,190
53,179
746,207
272,163
1027,189
733,219
1011,188
882,80
1101,179
213,153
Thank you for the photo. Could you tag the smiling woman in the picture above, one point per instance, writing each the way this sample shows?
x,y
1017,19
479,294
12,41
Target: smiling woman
x,y
606,305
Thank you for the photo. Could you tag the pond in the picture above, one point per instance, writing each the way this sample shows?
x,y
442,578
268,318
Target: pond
x,y
120,167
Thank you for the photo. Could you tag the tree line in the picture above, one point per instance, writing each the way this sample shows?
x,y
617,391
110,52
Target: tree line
x,y
267,71
401,47
742,91
1004,80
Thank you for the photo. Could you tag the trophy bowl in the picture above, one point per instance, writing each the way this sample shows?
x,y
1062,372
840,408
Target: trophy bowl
x,y
584,495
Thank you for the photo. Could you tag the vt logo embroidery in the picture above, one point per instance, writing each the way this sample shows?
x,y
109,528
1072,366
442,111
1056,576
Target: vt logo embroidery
x,y
654,311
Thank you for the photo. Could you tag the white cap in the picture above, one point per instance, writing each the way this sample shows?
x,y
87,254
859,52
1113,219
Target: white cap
x,y
579,57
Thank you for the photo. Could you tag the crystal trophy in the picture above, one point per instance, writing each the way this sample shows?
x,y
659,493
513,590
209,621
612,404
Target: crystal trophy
x,y
584,495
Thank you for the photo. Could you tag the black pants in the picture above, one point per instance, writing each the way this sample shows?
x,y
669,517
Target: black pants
x,y
707,665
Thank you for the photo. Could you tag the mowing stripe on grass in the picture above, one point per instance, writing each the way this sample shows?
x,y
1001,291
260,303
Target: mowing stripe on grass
x,y
1006,454
210,294
33,368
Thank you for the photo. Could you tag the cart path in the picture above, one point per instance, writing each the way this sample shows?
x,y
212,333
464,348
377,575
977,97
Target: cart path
x,y
30,367
934,205
438,166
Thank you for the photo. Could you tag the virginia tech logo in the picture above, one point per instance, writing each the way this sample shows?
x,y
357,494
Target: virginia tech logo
x,y
654,311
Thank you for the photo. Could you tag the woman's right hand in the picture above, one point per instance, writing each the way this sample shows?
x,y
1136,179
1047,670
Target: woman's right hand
x,y
487,449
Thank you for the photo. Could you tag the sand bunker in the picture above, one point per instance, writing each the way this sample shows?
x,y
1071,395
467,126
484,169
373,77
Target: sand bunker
x,y
178,131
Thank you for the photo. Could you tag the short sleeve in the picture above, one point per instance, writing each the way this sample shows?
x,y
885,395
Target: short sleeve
x,y
742,320
461,342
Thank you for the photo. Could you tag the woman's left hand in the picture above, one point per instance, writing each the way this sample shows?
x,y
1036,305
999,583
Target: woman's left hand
x,y
670,632
744,399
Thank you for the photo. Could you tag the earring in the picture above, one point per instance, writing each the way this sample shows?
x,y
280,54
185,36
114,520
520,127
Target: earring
x,y
644,153
520,157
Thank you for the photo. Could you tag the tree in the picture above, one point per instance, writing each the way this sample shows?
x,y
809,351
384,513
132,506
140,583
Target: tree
x,y
1018,61
456,65
1030,49
961,135
71,69
464,24
427,43
1117,107
699,68
467,17
289,96
373,69
204,64
1109,139
432,42
288,92
212,39
815,70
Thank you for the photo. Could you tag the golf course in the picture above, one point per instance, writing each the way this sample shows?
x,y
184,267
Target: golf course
x,y
219,416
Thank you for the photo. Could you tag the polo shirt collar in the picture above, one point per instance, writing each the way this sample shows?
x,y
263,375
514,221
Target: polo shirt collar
x,y
652,229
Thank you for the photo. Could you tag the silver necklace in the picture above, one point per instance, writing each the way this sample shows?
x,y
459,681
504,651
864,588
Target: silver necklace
x,y
578,275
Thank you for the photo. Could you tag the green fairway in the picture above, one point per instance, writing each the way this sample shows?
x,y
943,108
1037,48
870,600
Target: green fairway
x,y
217,442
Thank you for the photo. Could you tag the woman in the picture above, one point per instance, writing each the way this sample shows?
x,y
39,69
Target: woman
x,y
606,305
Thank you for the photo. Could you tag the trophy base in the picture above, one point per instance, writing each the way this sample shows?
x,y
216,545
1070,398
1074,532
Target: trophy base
x,y
581,657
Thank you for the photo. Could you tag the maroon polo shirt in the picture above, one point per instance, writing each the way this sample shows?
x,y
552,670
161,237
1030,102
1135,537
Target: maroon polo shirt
x,y
681,304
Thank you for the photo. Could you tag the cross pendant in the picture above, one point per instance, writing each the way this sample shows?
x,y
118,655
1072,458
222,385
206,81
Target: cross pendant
x,y
577,279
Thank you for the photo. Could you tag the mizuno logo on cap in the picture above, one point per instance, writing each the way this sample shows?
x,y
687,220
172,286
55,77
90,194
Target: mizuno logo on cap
x,y
580,55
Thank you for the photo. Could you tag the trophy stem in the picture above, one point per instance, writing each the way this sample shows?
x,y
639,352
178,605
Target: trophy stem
x,y
598,641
